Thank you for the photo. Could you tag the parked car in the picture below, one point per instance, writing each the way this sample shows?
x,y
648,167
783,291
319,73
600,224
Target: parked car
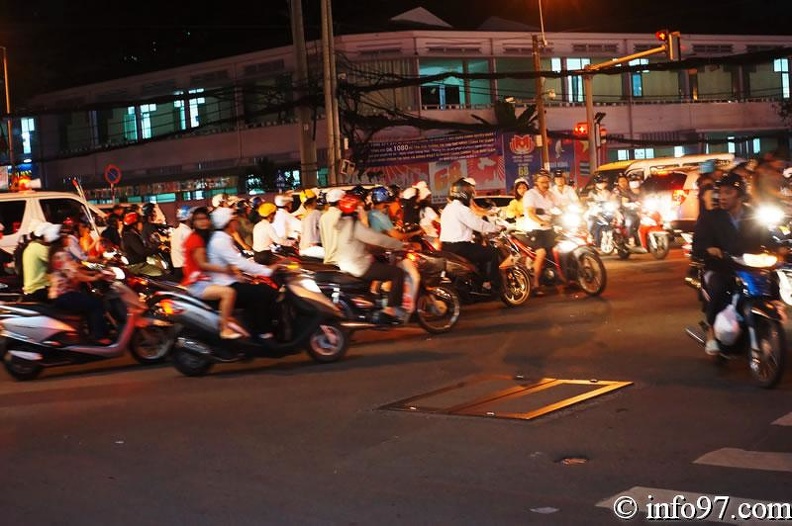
x,y
675,194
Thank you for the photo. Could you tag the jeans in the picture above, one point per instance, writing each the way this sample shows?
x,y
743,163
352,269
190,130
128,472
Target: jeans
x,y
90,306
486,259
384,272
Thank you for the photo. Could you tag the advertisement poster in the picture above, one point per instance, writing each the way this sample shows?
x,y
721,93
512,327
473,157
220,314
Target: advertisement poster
x,y
522,158
3,178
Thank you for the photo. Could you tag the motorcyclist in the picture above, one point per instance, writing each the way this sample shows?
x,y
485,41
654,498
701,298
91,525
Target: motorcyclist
x,y
457,225
35,260
310,239
258,301
327,225
515,210
729,230
428,218
563,193
177,239
628,196
354,257
600,197
286,225
378,217
135,248
264,235
244,234
538,203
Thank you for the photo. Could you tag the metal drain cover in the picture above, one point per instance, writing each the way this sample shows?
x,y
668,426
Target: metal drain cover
x,y
496,396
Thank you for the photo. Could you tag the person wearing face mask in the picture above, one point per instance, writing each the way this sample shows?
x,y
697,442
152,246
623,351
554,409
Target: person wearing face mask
x,y
564,194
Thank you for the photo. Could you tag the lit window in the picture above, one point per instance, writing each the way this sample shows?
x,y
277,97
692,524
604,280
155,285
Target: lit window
x,y
130,124
636,78
145,118
679,151
732,147
757,145
644,153
194,103
623,155
575,84
781,65
28,127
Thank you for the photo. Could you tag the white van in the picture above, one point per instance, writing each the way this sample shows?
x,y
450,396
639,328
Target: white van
x,y
19,209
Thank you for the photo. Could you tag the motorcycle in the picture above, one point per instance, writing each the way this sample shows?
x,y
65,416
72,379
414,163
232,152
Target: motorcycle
x,y
468,281
758,317
572,261
428,296
304,319
602,217
35,336
655,236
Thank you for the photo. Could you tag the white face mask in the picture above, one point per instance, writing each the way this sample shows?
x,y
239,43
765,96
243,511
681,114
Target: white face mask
x,y
601,186
635,184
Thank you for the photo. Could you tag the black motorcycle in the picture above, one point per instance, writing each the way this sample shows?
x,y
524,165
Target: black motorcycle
x,y
431,300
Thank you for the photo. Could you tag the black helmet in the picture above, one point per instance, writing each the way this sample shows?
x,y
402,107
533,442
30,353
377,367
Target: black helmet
x,y
734,180
395,189
635,176
358,191
241,205
148,209
381,194
558,173
541,173
461,190
601,178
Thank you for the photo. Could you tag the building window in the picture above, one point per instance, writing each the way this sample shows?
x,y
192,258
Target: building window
x,y
757,145
194,103
623,155
679,151
644,153
130,125
28,127
636,77
145,119
781,65
732,148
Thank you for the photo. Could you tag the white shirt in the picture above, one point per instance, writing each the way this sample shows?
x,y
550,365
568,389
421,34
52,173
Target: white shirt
x,y
565,196
264,236
329,233
178,237
428,217
221,251
310,229
354,238
458,222
286,225
533,199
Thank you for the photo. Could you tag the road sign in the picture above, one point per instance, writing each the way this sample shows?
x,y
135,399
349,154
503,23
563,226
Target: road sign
x,y
112,174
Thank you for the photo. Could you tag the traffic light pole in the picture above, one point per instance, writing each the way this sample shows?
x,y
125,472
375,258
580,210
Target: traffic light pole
x,y
588,82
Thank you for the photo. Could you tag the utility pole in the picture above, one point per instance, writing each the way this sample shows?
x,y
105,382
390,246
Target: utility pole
x,y
331,100
10,121
540,111
304,120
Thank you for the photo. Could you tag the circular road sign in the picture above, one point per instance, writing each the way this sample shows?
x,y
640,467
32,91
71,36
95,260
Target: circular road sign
x,y
112,174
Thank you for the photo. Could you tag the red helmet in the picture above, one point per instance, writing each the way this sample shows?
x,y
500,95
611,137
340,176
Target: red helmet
x,y
131,218
349,204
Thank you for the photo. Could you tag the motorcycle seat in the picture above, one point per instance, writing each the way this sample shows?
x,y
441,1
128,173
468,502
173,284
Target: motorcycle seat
x,y
340,278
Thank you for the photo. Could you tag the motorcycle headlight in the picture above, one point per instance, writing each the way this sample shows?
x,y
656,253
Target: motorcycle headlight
x,y
769,215
571,220
652,204
609,206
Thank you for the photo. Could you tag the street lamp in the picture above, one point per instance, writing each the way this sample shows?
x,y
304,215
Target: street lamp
x,y
9,122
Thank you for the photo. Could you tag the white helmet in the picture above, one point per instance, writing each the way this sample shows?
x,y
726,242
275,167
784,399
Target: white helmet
x,y
282,200
218,200
221,217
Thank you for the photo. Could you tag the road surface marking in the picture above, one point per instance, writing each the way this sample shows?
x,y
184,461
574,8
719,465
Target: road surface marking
x,y
784,420
740,458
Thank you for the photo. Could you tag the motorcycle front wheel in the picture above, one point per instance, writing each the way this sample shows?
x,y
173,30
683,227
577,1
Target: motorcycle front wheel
x,y
150,345
607,247
767,364
591,274
516,286
437,311
19,369
328,343
189,363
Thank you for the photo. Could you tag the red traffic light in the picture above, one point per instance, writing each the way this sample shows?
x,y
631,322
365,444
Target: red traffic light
x,y
580,129
662,35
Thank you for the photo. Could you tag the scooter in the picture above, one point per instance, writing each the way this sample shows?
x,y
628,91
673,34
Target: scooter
x,y
655,235
757,317
428,295
35,336
304,319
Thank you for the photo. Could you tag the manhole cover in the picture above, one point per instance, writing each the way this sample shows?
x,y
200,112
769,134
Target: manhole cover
x,y
507,397
573,461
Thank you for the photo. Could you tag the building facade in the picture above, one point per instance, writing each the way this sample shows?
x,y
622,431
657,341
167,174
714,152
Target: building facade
x,y
229,125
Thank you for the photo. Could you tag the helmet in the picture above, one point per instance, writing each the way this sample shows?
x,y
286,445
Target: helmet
x,y
266,209
381,194
183,213
601,178
51,233
635,176
148,209
218,200
39,230
409,193
358,191
734,180
520,180
334,195
349,204
395,189
256,202
241,205
423,192
470,181
461,190
282,200
421,185
306,195
558,173
221,217
131,218
541,173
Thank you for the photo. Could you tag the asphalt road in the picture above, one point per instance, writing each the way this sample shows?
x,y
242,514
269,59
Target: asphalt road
x,y
289,442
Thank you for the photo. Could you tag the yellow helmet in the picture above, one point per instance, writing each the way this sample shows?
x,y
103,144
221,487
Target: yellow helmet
x,y
306,195
266,209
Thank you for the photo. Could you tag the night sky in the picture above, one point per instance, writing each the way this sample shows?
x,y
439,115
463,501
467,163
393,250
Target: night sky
x,y
53,45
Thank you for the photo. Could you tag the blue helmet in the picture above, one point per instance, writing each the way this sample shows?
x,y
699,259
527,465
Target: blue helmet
x,y
183,213
381,194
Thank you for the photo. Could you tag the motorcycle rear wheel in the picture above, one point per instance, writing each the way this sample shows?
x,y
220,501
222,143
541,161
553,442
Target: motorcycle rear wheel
x,y
21,370
189,363
607,246
661,246
516,286
150,345
591,274
436,319
328,343
767,366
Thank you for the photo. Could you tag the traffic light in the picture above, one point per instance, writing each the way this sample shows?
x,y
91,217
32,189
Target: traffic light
x,y
580,129
670,40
